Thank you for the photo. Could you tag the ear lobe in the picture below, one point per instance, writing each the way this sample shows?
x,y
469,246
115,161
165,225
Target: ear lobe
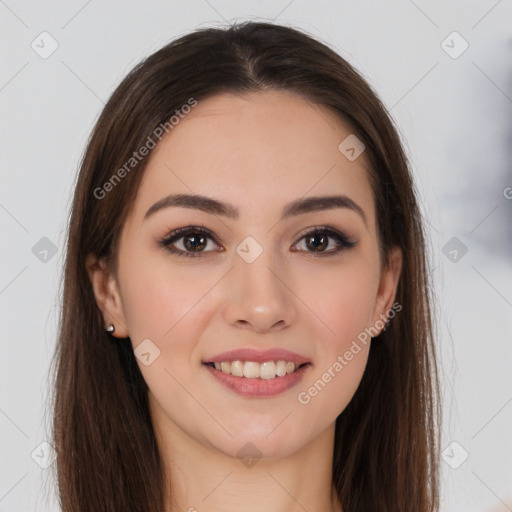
x,y
106,293
388,285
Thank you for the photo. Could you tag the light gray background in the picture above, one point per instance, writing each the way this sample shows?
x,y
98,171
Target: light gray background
x,y
453,113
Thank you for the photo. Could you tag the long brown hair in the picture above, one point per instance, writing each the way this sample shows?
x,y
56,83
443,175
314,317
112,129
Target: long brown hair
x,y
387,439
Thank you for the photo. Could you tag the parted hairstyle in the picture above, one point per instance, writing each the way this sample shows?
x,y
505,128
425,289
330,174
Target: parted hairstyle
x,y
386,448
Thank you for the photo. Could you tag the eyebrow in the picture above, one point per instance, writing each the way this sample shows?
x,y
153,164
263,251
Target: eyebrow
x,y
213,206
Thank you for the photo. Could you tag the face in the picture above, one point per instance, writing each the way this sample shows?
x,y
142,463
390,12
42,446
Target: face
x,y
246,276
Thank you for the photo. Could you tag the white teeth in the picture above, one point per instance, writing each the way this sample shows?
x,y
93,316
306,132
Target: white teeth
x,y
268,370
237,368
251,370
281,368
254,370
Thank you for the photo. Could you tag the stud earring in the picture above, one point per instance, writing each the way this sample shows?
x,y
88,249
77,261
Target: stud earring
x,y
110,329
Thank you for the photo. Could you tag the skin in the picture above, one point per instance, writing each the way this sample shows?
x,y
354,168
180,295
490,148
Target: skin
x,y
259,152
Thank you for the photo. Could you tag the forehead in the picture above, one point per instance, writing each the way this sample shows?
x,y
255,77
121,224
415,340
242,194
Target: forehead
x,y
258,150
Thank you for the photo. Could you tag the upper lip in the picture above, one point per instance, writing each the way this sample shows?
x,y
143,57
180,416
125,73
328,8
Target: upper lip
x,y
258,356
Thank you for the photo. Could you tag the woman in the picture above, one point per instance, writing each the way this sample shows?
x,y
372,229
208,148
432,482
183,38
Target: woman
x,y
246,318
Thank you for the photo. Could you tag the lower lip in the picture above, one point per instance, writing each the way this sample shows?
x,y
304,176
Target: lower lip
x,y
258,388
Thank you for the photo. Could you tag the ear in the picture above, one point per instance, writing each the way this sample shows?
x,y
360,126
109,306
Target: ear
x,y
388,284
106,292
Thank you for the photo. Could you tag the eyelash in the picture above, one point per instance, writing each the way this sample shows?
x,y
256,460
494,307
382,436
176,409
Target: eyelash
x,y
166,242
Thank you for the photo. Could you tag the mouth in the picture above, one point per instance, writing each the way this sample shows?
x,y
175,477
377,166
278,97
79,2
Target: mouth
x,y
254,370
251,379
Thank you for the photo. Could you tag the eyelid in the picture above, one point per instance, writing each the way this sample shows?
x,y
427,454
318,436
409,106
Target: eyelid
x,y
331,231
173,233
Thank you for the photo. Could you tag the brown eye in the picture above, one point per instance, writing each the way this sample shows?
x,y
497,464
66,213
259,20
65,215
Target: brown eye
x,y
193,241
317,241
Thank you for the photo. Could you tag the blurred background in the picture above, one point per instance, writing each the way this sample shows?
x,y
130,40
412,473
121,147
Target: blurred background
x,y
444,72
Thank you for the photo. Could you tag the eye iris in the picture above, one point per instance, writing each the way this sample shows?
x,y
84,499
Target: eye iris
x,y
196,246
322,244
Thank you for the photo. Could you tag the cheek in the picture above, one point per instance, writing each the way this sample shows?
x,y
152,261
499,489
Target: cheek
x,y
158,299
343,299
170,307
166,306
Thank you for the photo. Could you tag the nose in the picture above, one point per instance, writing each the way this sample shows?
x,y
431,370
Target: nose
x,y
257,297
